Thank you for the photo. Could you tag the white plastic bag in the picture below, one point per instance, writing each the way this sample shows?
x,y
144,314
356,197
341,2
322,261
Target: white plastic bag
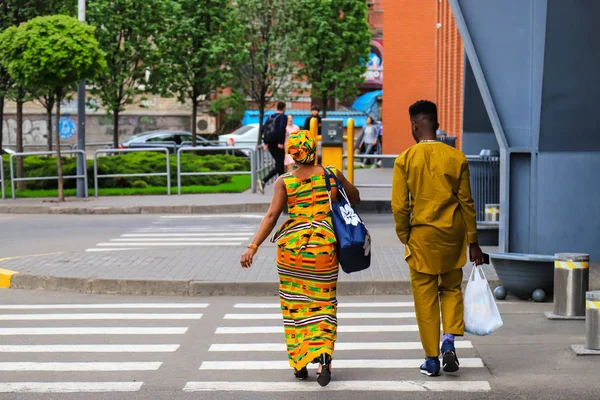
x,y
481,312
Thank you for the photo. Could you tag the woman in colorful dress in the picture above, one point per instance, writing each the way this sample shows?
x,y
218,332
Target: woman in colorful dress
x,y
306,258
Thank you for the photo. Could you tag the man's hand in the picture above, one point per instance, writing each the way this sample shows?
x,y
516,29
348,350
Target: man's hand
x,y
280,146
266,146
476,254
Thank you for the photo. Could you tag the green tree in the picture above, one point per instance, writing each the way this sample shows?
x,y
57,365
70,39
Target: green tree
x,y
267,74
52,53
332,46
201,45
126,31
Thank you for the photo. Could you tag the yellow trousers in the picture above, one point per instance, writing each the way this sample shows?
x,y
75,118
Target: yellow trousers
x,y
430,292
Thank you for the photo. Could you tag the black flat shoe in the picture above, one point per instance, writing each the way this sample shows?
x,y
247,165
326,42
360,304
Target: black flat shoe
x,y
324,377
302,374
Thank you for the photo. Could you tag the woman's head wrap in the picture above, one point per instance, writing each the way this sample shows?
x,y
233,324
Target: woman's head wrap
x,y
301,147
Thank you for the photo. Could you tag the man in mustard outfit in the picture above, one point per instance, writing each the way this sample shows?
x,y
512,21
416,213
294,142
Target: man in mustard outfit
x,y
435,220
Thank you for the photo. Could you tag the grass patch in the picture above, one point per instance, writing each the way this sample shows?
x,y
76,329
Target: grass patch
x,y
238,184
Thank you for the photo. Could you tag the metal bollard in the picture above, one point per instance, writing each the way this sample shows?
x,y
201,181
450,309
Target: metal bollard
x,y
592,320
571,282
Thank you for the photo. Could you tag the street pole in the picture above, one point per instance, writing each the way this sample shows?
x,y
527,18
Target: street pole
x,y
81,158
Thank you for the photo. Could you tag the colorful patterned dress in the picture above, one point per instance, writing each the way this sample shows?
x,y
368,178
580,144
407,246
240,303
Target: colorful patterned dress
x,y
308,270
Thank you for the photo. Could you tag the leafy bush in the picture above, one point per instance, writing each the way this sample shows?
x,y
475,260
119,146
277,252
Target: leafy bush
x,y
134,163
139,184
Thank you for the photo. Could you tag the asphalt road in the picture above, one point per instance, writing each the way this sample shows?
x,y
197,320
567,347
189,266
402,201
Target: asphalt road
x,y
232,348
23,235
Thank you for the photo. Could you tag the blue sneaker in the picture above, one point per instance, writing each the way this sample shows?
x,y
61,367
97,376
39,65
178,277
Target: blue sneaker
x,y
449,358
431,367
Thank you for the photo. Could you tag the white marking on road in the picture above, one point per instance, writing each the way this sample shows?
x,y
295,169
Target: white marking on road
x,y
107,250
90,348
342,329
171,244
340,305
238,347
96,316
162,235
80,366
181,239
101,306
213,216
360,386
93,331
69,387
200,228
337,364
339,316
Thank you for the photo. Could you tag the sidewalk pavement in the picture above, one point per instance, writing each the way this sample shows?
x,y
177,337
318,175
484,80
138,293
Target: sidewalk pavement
x,y
203,271
374,200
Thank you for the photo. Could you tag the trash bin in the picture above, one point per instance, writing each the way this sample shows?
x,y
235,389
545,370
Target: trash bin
x,y
571,282
592,320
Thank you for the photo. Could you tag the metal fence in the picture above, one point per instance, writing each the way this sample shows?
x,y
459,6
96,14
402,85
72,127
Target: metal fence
x,y
251,172
485,182
264,162
114,151
13,179
2,176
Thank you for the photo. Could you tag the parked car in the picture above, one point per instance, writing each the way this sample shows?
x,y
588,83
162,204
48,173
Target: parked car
x,y
172,140
246,136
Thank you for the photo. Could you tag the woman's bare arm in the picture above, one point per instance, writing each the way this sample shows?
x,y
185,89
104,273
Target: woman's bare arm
x,y
351,190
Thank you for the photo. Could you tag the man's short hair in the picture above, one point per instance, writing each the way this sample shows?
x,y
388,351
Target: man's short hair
x,y
314,108
280,106
426,109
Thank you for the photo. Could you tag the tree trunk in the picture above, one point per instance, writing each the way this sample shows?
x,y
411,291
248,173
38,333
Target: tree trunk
x,y
261,117
1,122
115,128
61,188
325,104
49,107
20,167
194,117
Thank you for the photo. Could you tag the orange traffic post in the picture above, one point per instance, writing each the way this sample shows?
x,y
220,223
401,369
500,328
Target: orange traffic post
x,y
314,130
350,149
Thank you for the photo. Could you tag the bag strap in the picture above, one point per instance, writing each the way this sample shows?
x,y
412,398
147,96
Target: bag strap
x,y
338,184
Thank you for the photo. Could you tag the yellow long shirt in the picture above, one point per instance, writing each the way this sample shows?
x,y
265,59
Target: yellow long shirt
x,y
433,208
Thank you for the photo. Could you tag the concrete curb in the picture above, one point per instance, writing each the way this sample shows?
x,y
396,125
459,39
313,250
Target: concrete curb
x,y
193,288
367,206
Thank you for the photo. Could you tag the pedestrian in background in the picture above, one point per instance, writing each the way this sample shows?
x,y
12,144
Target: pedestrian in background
x,y
273,133
367,141
314,111
435,220
306,257
289,129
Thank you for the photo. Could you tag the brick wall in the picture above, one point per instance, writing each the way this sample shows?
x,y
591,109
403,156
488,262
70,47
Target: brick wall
x,y
410,66
450,73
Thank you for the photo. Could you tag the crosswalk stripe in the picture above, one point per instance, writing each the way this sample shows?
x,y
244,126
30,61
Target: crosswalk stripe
x,y
213,216
340,305
339,316
69,387
93,331
96,316
79,366
366,386
106,249
155,244
178,235
101,306
338,364
182,239
339,346
227,330
90,348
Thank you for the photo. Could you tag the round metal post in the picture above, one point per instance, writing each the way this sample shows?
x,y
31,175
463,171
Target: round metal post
x,y
96,172
12,176
253,172
168,172
179,171
314,131
571,282
2,176
592,320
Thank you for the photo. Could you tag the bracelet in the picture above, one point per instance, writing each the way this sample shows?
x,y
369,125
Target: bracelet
x,y
253,246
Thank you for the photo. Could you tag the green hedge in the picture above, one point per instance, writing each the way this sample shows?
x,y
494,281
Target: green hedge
x,y
132,163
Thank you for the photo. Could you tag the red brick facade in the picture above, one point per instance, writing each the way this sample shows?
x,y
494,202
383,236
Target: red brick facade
x,y
424,61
